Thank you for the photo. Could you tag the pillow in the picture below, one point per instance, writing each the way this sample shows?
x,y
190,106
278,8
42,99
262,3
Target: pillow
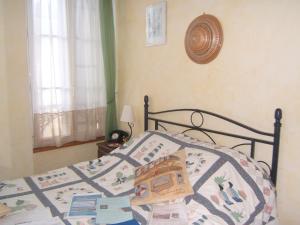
x,y
162,180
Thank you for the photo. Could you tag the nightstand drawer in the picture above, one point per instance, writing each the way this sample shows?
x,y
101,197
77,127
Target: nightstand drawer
x,y
104,148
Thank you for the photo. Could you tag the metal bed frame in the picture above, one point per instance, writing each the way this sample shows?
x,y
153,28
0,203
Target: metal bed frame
x,y
251,141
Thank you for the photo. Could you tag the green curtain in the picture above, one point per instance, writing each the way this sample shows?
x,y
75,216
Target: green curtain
x,y
108,45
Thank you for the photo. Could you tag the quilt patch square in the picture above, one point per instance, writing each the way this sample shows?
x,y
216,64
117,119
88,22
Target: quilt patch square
x,y
55,177
230,193
153,148
198,162
10,187
97,166
120,179
199,215
23,203
61,197
134,143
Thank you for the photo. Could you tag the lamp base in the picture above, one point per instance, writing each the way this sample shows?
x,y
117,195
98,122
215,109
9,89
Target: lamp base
x,y
130,126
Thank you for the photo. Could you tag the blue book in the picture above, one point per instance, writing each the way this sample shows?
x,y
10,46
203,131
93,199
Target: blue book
x,y
113,210
129,222
83,205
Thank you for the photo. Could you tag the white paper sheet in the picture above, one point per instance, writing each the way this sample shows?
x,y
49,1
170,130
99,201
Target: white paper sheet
x,y
172,214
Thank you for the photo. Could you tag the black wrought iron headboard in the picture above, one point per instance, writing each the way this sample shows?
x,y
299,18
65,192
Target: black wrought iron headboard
x,y
253,140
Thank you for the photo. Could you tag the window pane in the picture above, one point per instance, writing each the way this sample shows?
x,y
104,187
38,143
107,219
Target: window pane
x,y
46,58
50,17
58,18
54,63
87,53
55,100
61,63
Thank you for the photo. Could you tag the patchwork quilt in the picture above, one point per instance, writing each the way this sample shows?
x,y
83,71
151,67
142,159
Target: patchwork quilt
x,y
229,187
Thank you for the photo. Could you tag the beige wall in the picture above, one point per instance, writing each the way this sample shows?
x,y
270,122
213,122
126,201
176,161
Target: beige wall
x,y
16,157
257,70
16,108
5,156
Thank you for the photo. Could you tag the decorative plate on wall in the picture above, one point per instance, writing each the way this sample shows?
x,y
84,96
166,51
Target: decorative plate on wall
x,y
204,39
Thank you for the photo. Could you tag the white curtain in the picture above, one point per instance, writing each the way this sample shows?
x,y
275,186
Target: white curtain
x,y
67,71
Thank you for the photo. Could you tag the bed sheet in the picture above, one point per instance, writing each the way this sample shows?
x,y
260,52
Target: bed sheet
x,y
229,187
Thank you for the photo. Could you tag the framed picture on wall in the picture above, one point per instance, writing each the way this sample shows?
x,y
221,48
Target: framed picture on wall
x,y
156,24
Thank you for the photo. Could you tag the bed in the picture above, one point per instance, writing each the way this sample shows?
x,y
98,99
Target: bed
x,y
230,187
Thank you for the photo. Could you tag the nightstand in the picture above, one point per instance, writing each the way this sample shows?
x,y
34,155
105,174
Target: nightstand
x,y
105,148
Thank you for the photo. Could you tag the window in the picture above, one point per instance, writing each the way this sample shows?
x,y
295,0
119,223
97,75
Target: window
x,y
66,70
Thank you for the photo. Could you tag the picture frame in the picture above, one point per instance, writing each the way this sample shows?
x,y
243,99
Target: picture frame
x,y
156,23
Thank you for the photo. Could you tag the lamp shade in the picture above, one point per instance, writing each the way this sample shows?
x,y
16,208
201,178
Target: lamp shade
x,y
127,114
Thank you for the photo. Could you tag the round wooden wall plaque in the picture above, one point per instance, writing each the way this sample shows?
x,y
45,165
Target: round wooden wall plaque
x,y
204,39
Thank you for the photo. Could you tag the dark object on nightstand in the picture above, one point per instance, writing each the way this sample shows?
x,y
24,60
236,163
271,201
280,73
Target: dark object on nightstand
x,y
118,136
106,147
